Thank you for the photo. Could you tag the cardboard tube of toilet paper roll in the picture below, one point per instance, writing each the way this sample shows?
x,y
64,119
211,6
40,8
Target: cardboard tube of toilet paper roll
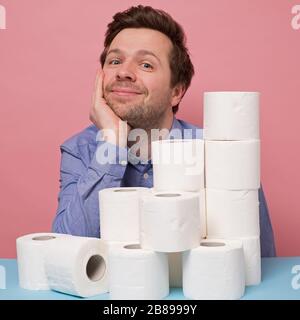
x,y
170,222
119,213
232,165
178,164
214,271
31,252
137,274
232,214
231,115
77,266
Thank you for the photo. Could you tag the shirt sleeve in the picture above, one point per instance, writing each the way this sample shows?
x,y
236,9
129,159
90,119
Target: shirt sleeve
x,y
78,205
266,231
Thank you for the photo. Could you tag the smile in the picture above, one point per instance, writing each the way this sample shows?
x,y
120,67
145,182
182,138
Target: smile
x,y
125,93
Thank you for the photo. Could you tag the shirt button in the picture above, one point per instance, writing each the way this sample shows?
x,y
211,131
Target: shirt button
x,y
123,162
146,175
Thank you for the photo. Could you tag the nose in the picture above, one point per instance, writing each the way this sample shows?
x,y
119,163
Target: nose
x,y
126,72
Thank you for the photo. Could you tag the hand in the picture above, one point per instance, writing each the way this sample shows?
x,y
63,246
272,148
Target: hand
x,y
113,128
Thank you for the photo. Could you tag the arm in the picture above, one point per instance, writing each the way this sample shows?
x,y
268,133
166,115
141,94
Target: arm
x,y
266,231
78,209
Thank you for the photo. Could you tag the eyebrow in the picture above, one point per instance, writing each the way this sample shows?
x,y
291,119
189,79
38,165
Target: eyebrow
x,y
141,52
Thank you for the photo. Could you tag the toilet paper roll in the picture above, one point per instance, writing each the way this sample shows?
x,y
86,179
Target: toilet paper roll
x,y
31,252
119,213
138,274
252,258
252,254
232,213
232,165
231,115
202,209
170,222
77,266
214,270
178,164
175,269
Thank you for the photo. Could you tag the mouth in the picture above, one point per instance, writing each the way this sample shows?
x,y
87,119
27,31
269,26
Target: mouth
x,y
125,92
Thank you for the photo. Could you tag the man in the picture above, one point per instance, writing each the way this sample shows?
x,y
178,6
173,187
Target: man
x,y
146,70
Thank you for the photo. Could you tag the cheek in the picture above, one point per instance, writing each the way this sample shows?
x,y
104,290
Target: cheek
x,y
107,78
158,86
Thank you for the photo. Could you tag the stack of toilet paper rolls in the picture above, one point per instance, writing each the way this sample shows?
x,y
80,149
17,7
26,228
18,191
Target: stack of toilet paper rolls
x,y
169,220
232,172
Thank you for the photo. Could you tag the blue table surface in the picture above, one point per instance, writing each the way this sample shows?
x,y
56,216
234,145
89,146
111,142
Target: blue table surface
x,y
278,283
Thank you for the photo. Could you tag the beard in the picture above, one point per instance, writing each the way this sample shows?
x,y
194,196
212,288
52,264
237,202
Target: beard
x,y
140,115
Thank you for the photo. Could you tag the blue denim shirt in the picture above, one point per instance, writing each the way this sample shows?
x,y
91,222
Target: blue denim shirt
x,y
81,178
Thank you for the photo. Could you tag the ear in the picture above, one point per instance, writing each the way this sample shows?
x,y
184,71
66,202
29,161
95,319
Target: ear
x,y
177,94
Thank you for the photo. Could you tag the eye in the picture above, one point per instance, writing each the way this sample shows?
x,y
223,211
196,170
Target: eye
x,y
114,60
147,65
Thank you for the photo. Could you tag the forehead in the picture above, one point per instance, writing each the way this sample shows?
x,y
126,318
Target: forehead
x,y
132,40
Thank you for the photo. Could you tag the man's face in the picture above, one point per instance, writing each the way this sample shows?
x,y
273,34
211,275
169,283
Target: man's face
x,y
137,77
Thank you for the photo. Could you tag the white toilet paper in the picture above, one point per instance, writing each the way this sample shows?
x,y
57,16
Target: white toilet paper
x,y
178,164
252,258
119,213
232,165
214,270
202,209
251,246
135,273
175,269
232,213
31,252
231,115
77,266
170,222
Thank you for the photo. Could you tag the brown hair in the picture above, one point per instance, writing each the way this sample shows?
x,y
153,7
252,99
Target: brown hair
x,y
182,69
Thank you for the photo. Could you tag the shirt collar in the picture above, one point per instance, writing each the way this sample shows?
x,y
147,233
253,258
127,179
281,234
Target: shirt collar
x,y
176,124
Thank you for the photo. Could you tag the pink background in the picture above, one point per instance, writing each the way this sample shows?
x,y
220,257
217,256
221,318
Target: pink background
x,y
48,59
